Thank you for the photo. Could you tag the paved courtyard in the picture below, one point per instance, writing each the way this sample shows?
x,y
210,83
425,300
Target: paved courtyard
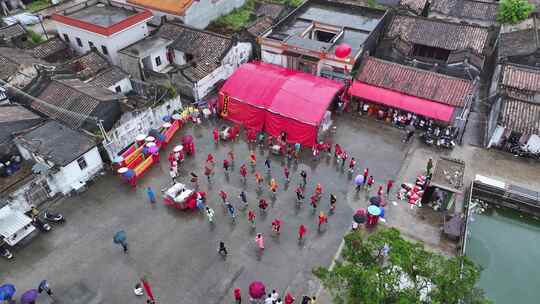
x,y
177,249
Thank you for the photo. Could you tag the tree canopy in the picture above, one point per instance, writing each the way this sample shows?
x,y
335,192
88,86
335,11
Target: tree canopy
x,y
385,268
513,11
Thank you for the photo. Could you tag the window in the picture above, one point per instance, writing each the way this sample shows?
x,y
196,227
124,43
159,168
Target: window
x,y
425,51
82,163
79,42
104,50
118,89
324,36
158,61
91,45
66,38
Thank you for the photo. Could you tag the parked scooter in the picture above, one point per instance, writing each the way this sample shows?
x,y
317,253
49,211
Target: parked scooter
x,y
4,252
54,217
41,225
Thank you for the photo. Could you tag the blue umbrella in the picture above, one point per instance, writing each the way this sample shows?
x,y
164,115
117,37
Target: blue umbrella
x,y
119,237
29,296
359,180
6,292
374,210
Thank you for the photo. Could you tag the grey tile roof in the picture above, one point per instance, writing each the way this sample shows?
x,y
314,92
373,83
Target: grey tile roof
x,y
11,60
108,77
416,6
88,65
441,34
415,82
72,95
49,47
56,142
207,49
272,10
519,39
12,31
259,26
520,116
521,77
467,9
8,67
12,113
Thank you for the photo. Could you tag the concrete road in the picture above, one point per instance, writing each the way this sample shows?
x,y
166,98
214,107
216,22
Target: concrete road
x,y
178,250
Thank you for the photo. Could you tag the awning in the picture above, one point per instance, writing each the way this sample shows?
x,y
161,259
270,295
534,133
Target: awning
x,y
405,102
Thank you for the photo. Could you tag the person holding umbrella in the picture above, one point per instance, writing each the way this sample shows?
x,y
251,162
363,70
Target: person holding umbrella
x,y
29,296
7,291
257,290
359,182
121,239
237,296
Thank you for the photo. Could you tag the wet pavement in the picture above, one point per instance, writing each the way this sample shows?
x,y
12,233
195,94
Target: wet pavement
x,y
177,250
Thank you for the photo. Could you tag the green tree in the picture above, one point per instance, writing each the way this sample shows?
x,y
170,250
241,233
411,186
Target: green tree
x,y
405,273
513,11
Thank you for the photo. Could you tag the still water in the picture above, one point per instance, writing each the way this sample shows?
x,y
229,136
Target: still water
x,y
506,244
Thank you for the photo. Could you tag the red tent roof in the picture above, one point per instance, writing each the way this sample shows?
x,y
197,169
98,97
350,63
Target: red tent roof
x,y
405,102
292,94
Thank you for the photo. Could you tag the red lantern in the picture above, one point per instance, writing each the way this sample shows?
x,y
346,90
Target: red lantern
x,y
343,50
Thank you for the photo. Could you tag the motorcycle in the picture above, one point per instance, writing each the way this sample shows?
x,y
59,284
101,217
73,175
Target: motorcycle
x,y
4,252
54,217
39,224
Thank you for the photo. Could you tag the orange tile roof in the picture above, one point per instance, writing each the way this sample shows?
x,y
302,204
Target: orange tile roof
x,y
175,7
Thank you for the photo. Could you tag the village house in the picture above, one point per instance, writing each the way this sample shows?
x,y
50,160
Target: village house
x,y
476,12
53,50
192,60
68,159
13,35
307,39
103,25
384,85
13,119
519,43
515,114
454,49
19,66
196,13
76,104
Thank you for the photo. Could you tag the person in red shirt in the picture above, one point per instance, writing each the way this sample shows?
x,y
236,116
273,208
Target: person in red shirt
x,y
208,171
251,218
380,191
226,165
286,173
318,189
301,232
322,220
215,133
370,182
366,174
237,295
210,158
223,195
352,163
243,172
289,299
276,226
314,199
263,205
253,158
389,185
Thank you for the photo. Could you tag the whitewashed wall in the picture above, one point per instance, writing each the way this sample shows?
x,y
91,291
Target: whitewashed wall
x,y
125,86
113,43
133,123
237,55
272,55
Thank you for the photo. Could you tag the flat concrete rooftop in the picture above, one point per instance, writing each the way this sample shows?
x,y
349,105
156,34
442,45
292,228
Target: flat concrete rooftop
x,y
101,14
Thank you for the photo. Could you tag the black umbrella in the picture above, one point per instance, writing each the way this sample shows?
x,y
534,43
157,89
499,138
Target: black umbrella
x,y
375,200
359,218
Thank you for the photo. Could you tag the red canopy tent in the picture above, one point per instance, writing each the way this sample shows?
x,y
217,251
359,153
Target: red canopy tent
x,y
275,99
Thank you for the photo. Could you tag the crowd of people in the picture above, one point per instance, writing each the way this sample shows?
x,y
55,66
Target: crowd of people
x,y
291,152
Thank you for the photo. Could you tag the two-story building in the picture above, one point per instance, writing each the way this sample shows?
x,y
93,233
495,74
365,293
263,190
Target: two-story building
x,y
307,39
193,60
196,13
102,25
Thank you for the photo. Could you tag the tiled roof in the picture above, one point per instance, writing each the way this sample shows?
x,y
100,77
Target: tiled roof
x,y
175,7
416,6
108,77
469,9
272,10
15,113
74,96
49,47
521,77
519,39
9,67
207,48
56,142
259,26
12,31
520,116
415,82
437,33
88,64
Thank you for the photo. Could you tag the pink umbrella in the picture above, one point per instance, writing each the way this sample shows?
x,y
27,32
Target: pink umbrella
x,y
257,290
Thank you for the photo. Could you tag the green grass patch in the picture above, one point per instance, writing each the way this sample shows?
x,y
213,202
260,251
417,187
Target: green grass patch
x,y
37,5
34,37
